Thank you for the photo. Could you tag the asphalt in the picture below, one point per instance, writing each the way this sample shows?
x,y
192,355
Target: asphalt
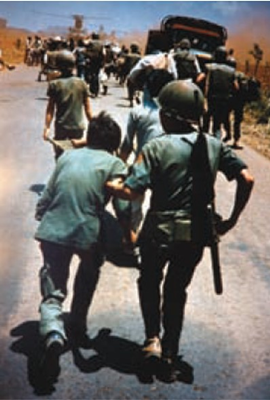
x,y
225,340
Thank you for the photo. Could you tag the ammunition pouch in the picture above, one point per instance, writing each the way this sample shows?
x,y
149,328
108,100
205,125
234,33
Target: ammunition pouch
x,y
166,227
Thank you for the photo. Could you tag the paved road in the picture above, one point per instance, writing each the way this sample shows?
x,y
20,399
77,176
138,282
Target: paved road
x,y
225,338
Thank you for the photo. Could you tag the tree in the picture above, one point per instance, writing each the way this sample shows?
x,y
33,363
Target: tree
x,y
257,53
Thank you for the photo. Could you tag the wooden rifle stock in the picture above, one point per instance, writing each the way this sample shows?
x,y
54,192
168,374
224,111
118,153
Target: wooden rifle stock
x,y
213,244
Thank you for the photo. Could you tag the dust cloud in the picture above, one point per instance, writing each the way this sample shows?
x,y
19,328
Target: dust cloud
x,y
249,32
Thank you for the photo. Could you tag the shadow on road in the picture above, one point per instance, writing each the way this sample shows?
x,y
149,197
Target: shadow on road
x,y
42,375
126,357
114,352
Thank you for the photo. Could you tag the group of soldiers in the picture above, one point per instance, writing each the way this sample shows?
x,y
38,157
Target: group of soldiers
x,y
95,60
225,88
179,167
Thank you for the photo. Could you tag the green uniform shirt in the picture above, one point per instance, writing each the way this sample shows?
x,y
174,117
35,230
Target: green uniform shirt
x,y
74,199
221,81
69,95
164,168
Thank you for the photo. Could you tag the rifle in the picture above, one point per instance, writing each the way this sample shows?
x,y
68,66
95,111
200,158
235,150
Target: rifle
x,y
204,199
213,244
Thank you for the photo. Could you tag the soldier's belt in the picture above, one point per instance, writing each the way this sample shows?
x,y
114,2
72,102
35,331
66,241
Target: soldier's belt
x,y
167,227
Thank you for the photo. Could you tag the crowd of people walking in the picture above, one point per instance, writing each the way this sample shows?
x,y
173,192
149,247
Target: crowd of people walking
x,y
179,147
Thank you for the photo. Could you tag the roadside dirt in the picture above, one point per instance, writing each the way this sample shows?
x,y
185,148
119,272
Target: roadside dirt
x,y
256,136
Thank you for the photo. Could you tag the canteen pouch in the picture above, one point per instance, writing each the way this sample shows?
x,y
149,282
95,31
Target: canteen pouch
x,y
166,227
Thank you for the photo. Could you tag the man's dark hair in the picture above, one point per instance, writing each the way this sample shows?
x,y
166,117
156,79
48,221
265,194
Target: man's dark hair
x,y
104,133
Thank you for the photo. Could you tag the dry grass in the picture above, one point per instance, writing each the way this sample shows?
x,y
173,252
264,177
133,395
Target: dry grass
x,y
12,44
256,135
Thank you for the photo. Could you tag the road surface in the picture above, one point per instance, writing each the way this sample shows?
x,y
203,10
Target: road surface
x,y
225,338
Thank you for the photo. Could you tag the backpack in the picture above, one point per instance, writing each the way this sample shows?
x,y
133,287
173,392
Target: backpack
x,y
249,88
221,84
185,65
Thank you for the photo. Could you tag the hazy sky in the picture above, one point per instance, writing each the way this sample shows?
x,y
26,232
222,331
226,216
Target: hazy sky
x,y
129,16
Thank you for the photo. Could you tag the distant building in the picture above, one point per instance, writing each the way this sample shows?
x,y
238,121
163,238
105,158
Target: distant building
x,y
3,23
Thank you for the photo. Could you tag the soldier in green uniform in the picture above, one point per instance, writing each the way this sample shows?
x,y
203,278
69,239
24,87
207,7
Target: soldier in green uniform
x,y
187,64
95,61
69,103
164,166
237,105
70,212
219,87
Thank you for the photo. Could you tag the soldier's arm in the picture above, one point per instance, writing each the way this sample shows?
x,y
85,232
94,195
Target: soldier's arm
x,y
127,145
118,189
46,198
245,182
48,118
88,108
207,83
236,85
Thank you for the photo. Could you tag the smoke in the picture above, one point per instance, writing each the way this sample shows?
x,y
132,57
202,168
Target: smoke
x,y
247,33
241,38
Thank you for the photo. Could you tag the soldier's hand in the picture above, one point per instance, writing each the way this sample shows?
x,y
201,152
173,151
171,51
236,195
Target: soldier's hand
x,y
46,133
223,226
116,184
78,142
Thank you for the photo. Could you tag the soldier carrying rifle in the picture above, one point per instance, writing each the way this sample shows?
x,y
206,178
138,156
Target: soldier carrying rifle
x,y
175,229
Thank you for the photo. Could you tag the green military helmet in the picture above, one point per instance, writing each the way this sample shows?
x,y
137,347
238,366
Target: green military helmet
x,y
184,44
220,54
65,60
182,99
134,47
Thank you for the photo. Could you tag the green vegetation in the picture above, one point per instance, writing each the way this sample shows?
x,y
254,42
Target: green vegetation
x,y
260,109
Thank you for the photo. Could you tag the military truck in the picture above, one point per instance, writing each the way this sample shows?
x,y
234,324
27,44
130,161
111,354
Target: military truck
x,y
205,36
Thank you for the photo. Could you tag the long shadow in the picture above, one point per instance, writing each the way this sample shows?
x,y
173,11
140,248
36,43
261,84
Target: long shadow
x,y
42,375
111,351
115,353
126,357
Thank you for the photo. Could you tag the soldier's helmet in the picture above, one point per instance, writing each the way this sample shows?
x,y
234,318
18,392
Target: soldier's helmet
x,y
134,47
220,54
95,36
65,60
184,44
182,99
231,62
